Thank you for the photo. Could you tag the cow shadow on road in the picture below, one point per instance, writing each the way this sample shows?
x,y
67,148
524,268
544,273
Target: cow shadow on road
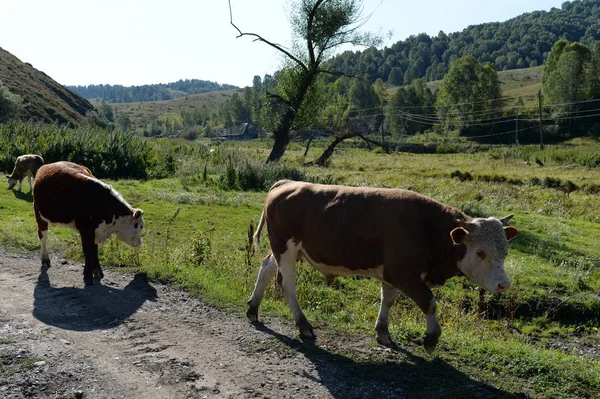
x,y
91,308
395,373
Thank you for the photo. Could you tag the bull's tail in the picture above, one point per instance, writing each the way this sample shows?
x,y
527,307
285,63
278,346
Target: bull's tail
x,y
261,223
256,236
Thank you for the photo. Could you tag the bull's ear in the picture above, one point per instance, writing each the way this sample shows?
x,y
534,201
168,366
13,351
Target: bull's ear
x,y
506,219
511,232
137,213
458,235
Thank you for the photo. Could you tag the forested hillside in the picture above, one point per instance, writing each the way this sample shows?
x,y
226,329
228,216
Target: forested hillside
x,y
520,42
154,92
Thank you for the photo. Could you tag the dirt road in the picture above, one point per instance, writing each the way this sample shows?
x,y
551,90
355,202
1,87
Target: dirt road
x,y
129,338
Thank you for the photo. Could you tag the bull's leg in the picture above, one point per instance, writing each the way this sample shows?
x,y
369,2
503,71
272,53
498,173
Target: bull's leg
x,y
287,267
265,275
388,296
418,291
43,236
90,252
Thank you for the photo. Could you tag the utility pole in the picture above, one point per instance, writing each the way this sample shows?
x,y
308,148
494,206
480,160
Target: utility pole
x,y
517,126
382,120
540,109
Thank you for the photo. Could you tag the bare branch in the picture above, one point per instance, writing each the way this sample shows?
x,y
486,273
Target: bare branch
x,y
336,73
262,39
279,98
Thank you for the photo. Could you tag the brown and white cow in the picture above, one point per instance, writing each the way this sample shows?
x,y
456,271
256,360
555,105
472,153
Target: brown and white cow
x,y
26,166
410,242
68,194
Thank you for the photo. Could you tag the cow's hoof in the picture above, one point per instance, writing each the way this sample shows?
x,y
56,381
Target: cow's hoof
x,y
306,331
385,341
46,263
252,313
88,281
430,342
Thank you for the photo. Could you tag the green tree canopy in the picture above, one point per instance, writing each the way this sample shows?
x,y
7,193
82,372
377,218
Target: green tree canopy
x,y
469,94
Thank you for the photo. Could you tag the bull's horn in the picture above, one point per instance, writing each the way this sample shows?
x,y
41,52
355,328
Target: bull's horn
x,y
470,227
506,219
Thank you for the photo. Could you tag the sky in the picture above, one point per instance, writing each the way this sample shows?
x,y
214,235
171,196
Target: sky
x,y
136,42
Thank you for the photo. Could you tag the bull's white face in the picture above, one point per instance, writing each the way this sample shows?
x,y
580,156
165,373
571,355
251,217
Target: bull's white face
x,y
486,242
11,182
129,228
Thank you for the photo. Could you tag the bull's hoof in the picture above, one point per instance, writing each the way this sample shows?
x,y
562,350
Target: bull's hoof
x,y
252,313
306,331
97,276
430,342
385,341
383,335
88,281
46,263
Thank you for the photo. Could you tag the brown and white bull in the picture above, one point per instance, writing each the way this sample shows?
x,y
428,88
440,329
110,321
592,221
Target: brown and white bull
x,y
68,194
26,166
408,241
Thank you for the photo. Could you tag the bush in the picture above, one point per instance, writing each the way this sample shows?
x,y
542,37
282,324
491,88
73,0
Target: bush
x,y
108,154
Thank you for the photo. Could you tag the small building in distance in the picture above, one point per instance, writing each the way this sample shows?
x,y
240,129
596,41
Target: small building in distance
x,y
245,131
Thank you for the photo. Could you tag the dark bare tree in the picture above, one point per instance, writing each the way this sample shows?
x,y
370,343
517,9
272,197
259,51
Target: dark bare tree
x,y
319,27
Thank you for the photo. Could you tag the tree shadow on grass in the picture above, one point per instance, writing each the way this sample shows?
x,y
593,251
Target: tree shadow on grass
x,y
396,373
96,307
25,196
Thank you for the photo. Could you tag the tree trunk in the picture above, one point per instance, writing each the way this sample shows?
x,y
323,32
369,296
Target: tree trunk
x,y
322,160
310,139
282,136
282,139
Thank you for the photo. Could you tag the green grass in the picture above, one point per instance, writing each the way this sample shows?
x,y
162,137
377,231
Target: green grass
x,y
197,234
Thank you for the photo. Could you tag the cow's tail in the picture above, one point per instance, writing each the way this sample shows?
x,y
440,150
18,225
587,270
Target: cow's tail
x,y
256,236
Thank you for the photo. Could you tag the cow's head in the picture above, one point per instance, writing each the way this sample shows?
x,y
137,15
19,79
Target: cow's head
x,y
11,182
486,243
129,228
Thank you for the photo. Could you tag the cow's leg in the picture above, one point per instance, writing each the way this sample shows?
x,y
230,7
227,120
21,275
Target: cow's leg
x,y
388,296
267,270
43,236
30,185
20,183
287,267
90,252
418,291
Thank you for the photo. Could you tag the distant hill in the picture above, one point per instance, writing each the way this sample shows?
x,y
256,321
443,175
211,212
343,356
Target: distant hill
x,y
142,114
44,99
520,42
154,92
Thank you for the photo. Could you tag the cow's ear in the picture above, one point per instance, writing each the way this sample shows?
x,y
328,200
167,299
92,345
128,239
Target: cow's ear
x,y
458,235
511,232
137,213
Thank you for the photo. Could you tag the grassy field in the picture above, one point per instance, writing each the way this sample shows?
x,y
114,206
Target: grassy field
x,y
540,339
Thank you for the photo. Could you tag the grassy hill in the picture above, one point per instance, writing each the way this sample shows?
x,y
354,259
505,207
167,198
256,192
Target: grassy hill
x,y
143,113
517,82
44,99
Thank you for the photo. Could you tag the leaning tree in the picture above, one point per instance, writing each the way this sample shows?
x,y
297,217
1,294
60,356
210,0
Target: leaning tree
x,y
319,27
